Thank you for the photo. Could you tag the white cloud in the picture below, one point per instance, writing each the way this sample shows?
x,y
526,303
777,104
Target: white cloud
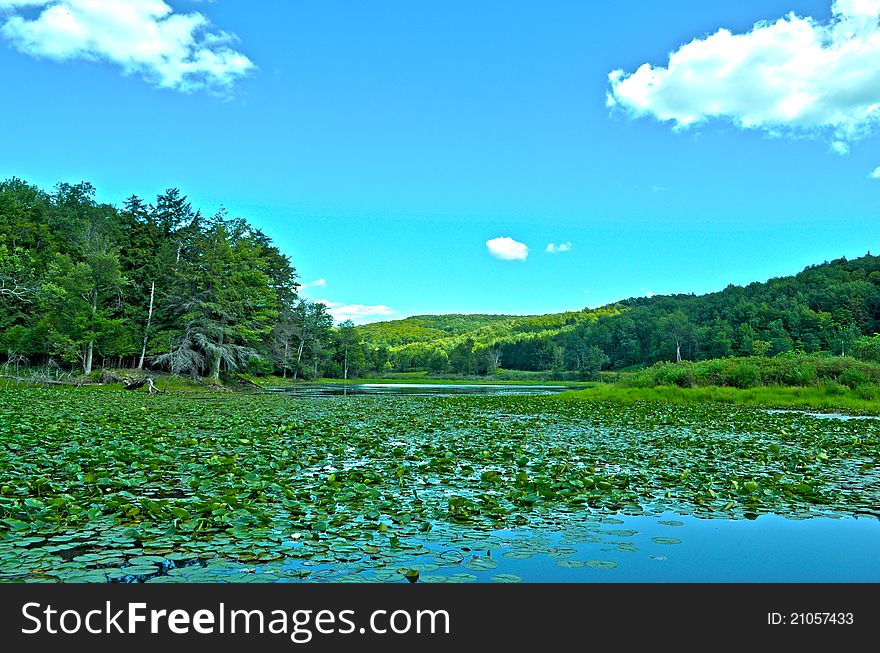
x,y
317,283
649,294
179,51
507,249
796,75
875,174
558,249
357,313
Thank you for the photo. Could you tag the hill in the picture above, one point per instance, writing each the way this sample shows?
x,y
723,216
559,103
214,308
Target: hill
x,y
827,308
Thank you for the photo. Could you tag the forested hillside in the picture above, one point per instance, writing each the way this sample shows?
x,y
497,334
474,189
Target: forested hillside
x,y
425,328
159,285
828,308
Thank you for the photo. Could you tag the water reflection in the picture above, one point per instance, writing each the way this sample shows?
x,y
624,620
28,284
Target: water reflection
x,y
417,389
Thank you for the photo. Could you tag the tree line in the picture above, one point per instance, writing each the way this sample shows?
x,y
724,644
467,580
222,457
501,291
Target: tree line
x,y
832,308
86,285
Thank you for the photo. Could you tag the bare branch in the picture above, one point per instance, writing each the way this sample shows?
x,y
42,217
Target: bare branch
x,y
10,287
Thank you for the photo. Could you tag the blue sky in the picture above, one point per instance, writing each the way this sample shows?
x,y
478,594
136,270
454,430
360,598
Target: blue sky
x,y
383,144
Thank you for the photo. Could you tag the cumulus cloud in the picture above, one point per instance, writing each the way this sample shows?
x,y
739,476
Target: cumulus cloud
x,y
795,75
507,249
317,283
357,313
180,51
558,249
875,174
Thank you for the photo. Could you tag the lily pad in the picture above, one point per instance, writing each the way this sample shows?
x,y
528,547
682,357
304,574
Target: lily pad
x,y
665,540
601,564
506,578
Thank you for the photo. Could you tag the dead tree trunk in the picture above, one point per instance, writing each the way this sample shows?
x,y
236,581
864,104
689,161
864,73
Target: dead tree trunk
x,y
299,354
147,328
90,348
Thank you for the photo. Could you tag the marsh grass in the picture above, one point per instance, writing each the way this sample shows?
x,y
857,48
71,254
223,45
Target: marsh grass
x,y
824,397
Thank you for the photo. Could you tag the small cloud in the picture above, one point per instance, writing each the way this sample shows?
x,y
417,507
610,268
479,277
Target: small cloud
x,y
658,189
507,249
649,294
839,147
558,249
875,174
357,313
317,283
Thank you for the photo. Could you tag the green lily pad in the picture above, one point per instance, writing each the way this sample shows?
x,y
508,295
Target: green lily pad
x,y
601,564
506,578
570,564
665,540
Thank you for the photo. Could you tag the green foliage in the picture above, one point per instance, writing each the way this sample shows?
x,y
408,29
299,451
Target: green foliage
x,y
425,328
868,349
783,370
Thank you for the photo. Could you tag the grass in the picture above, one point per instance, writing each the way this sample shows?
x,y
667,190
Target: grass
x,y
829,397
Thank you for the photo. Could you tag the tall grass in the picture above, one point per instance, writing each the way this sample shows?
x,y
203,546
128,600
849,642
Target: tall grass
x,y
823,397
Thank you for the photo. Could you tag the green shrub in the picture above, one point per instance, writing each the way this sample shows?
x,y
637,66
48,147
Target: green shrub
x,y
678,374
788,369
868,349
833,389
745,375
852,378
800,374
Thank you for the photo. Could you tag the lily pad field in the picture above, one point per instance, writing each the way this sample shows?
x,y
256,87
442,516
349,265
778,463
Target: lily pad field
x,y
98,485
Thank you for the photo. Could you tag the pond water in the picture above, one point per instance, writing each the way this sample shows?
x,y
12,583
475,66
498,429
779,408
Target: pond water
x,y
837,416
417,389
673,548
665,548
461,489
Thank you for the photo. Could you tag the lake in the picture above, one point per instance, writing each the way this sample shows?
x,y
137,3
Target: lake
x,y
418,389
461,488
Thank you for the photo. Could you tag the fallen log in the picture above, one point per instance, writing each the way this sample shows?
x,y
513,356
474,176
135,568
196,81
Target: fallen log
x,y
137,384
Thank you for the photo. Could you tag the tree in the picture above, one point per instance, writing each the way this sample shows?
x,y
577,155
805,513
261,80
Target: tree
x,y
224,303
462,359
594,359
677,328
488,359
868,349
309,331
92,275
439,361
349,345
761,347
